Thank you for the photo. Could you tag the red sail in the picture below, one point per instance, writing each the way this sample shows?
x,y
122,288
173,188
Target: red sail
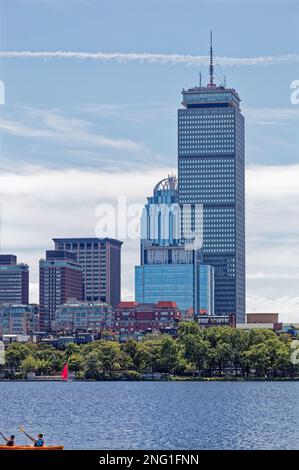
x,y
65,373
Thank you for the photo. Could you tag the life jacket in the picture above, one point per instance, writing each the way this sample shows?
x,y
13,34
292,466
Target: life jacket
x,y
39,443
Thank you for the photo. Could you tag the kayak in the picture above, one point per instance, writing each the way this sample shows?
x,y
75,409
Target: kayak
x,y
31,448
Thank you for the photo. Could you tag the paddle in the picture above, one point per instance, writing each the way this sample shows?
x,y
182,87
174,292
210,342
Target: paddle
x,y
3,436
23,430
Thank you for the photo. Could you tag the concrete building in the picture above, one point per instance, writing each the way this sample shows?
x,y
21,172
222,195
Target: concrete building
x,y
211,172
74,316
100,259
60,278
14,281
17,319
132,317
205,321
262,317
257,326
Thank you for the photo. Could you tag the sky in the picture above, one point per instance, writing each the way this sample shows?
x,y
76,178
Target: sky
x,y
92,89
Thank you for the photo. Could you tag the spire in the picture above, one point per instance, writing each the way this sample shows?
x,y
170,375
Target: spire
x,y
211,60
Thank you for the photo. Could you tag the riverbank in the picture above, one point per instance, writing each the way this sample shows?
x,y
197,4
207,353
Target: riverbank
x,y
162,379
215,353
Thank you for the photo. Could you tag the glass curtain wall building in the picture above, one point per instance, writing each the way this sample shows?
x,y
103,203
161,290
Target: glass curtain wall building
x,y
211,172
171,267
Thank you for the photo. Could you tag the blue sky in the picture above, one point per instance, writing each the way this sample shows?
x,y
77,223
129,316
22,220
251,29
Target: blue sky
x,y
68,124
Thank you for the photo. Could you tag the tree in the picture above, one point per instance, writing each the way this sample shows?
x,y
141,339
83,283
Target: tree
x,y
187,328
168,355
92,365
15,354
196,350
223,355
258,358
75,362
72,349
109,356
28,365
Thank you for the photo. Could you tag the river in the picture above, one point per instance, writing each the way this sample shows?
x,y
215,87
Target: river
x,y
154,415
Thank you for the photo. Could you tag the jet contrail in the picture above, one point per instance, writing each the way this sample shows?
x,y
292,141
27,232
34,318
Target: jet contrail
x,y
168,59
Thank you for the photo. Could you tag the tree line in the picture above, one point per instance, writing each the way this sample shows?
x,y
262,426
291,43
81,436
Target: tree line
x,y
212,352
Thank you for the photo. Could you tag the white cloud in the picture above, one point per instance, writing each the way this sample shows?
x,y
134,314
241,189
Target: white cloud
x,y
271,116
146,57
287,307
60,128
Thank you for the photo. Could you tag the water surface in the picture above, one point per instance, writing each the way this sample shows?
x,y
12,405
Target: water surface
x,y
154,415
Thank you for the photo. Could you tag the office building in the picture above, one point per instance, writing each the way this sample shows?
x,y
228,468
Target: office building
x,y
74,316
60,278
100,259
17,319
205,321
211,172
171,268
14,281
132,317
176,282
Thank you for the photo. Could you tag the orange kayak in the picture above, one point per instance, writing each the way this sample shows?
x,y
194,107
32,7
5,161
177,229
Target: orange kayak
x,y
31,448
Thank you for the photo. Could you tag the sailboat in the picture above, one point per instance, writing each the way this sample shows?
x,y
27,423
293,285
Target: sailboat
x,y
65,372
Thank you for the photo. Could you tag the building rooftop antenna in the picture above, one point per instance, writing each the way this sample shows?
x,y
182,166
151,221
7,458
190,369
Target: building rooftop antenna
x,y
200,80
211,60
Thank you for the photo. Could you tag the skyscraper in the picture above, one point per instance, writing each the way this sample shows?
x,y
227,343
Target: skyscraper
x,y
211,172
100,259
14,281
60,279
170,270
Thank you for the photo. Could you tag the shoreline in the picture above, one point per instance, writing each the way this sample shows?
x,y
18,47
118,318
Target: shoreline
x,y
178,379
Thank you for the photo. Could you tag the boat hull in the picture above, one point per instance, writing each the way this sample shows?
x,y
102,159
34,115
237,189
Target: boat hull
x,y
31,448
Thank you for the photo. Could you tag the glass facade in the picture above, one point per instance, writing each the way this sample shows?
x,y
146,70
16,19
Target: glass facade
x,y
211,172
175,282
171,253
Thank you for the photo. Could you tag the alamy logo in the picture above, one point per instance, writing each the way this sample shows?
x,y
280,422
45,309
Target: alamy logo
x,y
295,352
158,222
295,93
2,92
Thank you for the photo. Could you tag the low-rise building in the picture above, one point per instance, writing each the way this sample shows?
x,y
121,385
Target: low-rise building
x,y
75,316
17,319
132,317
205,321
256,326
262,317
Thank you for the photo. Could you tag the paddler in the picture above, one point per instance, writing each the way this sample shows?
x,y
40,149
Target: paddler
x,y
10,442
39,442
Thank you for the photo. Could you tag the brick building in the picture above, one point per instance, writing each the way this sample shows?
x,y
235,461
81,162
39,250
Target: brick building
x,y
262,317
60,278
130,317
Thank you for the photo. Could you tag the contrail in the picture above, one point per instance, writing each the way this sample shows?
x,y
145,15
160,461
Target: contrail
x,y
168,59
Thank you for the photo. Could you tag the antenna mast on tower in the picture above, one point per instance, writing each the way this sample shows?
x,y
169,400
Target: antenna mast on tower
x,y
211,61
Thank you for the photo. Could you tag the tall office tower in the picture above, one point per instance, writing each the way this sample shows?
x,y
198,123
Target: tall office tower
x,y
211,172
100,259
170,268
14,281
60,279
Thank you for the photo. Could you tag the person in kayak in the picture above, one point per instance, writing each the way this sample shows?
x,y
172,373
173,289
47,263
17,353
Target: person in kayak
x,y
9,442
40,441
